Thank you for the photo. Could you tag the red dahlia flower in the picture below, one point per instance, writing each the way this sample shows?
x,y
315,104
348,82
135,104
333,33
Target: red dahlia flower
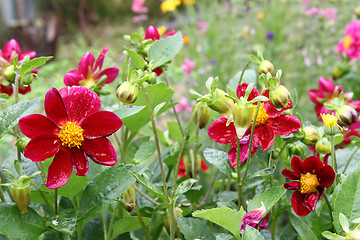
x,y
311,177
89,74
10,50
255,219
270,122
73,129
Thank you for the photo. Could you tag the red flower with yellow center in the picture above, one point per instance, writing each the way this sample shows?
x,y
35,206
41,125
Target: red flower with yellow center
x,y
73,130
269,122
311,177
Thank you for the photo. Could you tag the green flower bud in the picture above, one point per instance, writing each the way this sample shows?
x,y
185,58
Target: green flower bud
x,y
346,115
311,136
340,69
204,117
357,12
323,146
265,67
220,103
353,235
21,192
21,144
275,153
130,198
280,97
27,80
296,149
242,115
9,74
127,93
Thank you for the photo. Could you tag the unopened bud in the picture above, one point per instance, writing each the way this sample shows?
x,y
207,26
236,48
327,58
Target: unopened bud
x,y
27,80
127,93
323,146
280,97
9,74
130,198
346,115
331,126
295,149
21,144
265,67
220,103
275,153
340,69
152,33
203,115
158,71
21,193
242,115
311,136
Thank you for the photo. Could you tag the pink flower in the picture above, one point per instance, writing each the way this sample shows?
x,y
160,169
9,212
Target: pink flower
x,y
139,18
350,44
329,13
183,106
312,11
188,66
255,219
89,74
203,27
137,7
306,3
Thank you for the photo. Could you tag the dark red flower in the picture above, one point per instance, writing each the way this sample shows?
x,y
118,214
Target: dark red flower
x,y
182,170
310,178
255,219
89,74
270,122
10,50
73,130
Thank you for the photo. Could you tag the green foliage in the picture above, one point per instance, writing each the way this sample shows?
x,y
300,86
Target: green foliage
x,y
269,198
127,224
219,159
194,229
251,233
302,228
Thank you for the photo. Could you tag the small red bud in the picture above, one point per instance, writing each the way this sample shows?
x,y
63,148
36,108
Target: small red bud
x,y
152,33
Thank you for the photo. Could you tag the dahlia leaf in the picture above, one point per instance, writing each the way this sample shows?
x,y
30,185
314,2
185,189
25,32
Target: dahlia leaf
x,y
252,233
64,223
249,76
28,66
136,60
152,188
185,186
219,159
302,228
127,224
269,198
145,151
195,229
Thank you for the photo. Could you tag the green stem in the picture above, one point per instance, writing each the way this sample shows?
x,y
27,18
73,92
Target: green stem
x,y
145,229
202,202
351,157
43,197
333,157
273,225
111,224
56,202
330,208
238,169
146,196
2,179
17,84
1,195
243,71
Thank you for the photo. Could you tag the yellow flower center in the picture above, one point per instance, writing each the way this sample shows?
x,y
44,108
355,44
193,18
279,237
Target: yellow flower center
x,y
262,116
308,183
347,41
88,83
71,135
329,120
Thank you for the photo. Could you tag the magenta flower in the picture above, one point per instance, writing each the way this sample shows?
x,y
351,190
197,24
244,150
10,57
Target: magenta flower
x,y
350,44
73,130
138,7
187,67
312,11
329,13
310,178
183,106
270,122
255,219
203,27
10,50
89,74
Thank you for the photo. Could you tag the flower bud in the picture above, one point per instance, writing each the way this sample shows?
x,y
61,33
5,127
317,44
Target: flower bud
x,y
130,198
152,33
27,80
330,124
346,115
280,97
220,103
265,67
353,235
21,144
242,115
340,69
21,192
204,115
323,146
275,153
127,93
158,71
311,136
295,149
357,12
9,74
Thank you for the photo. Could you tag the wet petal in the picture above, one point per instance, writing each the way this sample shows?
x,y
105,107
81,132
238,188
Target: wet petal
x,y
64,93
37,124
299,205
284,124
54,107
86,62
80,162
60,169
72,78
326,176
290,174
266,136
219,132
311,201
100,60
297,164
312,164
101,124
292,185
100,150
82,103
244,148
315,96
42,147
111,74
240,91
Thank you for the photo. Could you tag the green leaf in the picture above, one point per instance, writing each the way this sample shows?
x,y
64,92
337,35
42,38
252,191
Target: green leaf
x,y
158,108
165,49
73,186
152,188
223,216
175,131
195,229
185,186
63,223
136,60
264,172
269,198
250,76
128,224
11,116
145,151
219,159
107,185
126,111
252,233
27,67
26,226
304,230
344,222
332,236
347,200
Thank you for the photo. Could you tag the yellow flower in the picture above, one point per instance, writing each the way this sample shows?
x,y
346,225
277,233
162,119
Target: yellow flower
x,y
162,30
260,16
347,41
186,40
330,124
169,5
188,2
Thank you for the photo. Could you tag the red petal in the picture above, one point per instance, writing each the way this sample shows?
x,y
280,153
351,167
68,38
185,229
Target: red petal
x,y
31,54
24,89
100,150
292,186
101,124
72,78
60,169
326,176
37,124
86,62
42,147
111,74
326,86
311,201
312,164
299,205
54,107
204,166
284,124
244,148
266,136
82,103
219,132
100,60
9,47
297,164
290,174
240,91
274,112
315,96
80,162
